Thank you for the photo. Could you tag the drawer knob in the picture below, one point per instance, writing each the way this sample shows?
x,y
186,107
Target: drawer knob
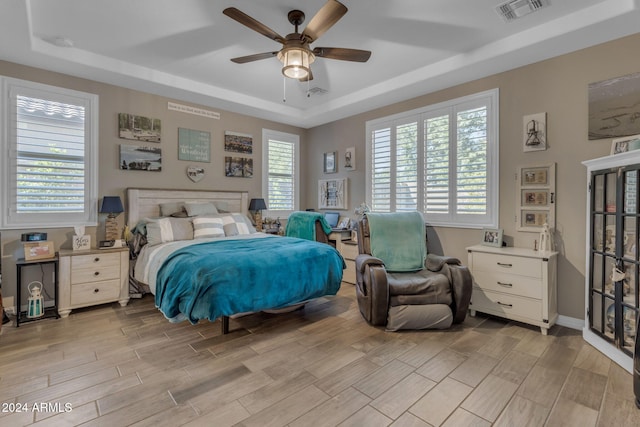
x,y
502,264
507,285
505,305
96,290
97,273
96,259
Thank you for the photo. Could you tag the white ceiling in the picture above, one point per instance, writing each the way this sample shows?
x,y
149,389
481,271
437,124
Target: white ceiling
x,y
181,48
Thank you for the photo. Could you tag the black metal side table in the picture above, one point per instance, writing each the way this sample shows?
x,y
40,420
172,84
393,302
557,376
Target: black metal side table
x,y
49,312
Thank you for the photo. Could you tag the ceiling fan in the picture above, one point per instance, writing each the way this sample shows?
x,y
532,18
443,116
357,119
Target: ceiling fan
x,y
296,55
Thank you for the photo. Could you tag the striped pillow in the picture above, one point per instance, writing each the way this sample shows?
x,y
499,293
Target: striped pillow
x,y
235,224
168,230
208,226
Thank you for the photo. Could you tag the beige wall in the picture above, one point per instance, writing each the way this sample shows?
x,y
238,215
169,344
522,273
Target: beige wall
x,y
558,87
113,181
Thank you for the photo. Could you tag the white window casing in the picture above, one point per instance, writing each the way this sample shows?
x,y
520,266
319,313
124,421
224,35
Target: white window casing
x,y
441,160
49,178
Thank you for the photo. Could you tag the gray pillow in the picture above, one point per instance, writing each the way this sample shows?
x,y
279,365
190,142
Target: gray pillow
x,y
168,230
200,208
170,208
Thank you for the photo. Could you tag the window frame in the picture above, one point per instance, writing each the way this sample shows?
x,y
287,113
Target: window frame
x,y
291,138
490,99
11,88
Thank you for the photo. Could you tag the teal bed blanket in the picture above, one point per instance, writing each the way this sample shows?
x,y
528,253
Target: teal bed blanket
x,y
223,278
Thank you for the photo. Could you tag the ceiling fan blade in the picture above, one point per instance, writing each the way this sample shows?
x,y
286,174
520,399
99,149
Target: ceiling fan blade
x,y
254,57
342,54
326,17
248,21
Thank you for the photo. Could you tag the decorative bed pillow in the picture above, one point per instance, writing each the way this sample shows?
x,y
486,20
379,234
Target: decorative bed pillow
x,y
168,230
208,226
236,223
200,208
171,208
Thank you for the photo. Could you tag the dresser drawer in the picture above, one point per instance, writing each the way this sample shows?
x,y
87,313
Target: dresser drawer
x,y
505,305
95,293
95,268
509,283
522,266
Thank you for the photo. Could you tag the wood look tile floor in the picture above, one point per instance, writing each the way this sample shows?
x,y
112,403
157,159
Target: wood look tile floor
x,y
319,366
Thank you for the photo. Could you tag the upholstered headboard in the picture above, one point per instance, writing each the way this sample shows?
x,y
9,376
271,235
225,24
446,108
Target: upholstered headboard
x,y
145,202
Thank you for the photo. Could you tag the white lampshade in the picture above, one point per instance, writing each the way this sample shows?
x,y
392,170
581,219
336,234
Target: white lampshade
x,y
296,61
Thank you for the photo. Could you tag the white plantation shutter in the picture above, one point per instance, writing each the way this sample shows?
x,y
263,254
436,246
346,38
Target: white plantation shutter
x,y
281,159
50,174
441,160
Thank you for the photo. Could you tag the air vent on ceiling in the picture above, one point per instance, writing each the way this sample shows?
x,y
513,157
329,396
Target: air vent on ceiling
x,y
514,9
316,91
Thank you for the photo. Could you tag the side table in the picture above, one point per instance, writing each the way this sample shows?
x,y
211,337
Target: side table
x,y
49,312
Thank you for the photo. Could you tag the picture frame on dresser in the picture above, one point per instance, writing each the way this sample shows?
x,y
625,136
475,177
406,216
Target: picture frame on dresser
x,y
535,197
492,237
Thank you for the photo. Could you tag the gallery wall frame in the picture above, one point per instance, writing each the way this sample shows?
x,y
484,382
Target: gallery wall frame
x,y
350,159
235,142
535,197
613,107
333,193
330,164
194,145
139,128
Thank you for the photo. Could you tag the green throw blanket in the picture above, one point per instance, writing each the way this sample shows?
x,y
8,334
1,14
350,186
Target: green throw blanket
x,y
398,239
303,225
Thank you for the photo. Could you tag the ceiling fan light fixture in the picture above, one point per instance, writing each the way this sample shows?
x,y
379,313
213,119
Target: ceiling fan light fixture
x,y
296,61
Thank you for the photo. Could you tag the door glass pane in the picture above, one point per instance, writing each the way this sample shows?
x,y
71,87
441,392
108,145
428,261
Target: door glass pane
x,y
629,242
597,322
598,193
610,195
630,316
630,191
610,317
598,234
597,281
609,266
610,234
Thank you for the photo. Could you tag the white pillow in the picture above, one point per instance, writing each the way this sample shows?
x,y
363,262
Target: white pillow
x,y
208,226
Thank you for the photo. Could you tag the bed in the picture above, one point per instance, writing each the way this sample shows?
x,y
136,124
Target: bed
x,y
225,268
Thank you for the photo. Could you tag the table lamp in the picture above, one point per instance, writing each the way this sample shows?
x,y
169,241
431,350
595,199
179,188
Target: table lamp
x,y
256,206
112,206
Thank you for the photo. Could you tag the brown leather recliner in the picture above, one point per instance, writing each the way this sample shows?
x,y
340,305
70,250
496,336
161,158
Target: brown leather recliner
x,y
434,297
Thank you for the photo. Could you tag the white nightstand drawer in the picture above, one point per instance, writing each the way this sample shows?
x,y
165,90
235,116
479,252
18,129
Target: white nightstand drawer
x,y
505,305
93,260
509,283
95,293
96,273
522,266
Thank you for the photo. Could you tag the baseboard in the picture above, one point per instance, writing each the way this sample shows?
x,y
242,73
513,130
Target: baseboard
x,y
570,322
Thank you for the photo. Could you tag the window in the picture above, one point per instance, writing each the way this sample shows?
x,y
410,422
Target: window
x,y
49,178
441,160
281,174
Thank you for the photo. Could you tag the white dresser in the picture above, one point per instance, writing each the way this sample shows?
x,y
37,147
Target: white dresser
x,y
91,277
515,283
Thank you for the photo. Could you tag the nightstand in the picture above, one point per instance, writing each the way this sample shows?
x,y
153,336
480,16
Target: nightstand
x,y
92,277
349,251
48,312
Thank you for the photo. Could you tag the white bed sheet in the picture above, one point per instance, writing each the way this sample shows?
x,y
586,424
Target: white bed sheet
x,y
151,258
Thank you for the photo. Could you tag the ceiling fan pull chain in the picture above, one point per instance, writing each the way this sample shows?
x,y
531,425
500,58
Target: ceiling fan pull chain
x,y
284,89
308,78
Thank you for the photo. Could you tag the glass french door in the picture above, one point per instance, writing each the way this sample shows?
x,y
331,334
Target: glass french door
x,y
614,263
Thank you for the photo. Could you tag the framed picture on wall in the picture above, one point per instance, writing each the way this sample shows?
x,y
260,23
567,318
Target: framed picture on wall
x,y
535,199
330,165
332,193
